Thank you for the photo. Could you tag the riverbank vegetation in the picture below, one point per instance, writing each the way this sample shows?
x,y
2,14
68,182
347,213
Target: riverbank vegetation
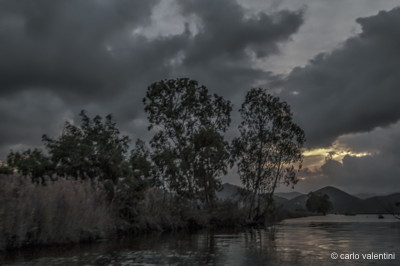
x,y
71,211
61,212
86,184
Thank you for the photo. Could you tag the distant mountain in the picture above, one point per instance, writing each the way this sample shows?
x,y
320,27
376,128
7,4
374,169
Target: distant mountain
x,y
342,202
364,195
384,204
288,195
231,192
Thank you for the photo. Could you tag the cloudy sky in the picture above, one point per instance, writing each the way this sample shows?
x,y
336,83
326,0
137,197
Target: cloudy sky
x,y
337,63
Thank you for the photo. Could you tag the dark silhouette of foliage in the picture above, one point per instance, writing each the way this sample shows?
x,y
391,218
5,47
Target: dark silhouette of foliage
x,y
93,149
31,162
128,193
317,202
5,169
190,152
269,145
141,164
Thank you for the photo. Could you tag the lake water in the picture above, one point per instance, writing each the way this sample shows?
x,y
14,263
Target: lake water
x,y
302,241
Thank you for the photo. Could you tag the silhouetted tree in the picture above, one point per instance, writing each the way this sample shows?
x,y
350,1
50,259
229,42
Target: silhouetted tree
x,y
269,145
31,163
189,149
317,202
93,149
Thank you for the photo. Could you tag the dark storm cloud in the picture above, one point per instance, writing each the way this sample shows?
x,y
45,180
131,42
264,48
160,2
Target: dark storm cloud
x,y
228,40
376,170
354,88
380,139
26,115
226,32
58,57
377,173
63,44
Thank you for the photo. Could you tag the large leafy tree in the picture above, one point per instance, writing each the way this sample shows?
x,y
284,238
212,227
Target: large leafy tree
x,y
93,149
268,150
189,148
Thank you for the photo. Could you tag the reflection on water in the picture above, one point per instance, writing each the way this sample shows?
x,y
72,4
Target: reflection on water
x,y
304,241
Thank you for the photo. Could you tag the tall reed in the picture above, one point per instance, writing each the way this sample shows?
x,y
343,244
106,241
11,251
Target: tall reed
x,y
60,212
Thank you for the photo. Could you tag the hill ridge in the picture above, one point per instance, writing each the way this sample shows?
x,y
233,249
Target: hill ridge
x,y
343,202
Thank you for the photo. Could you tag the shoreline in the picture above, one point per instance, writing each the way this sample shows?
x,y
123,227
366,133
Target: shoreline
x,y
132,231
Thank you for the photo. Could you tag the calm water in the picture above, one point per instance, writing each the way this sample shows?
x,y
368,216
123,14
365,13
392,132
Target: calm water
x,y
303,241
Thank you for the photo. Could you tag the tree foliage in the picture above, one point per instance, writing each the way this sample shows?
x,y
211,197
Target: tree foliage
x,y
93,149
141,163
189,149
268,150
31,162
317,202
5,170
128,193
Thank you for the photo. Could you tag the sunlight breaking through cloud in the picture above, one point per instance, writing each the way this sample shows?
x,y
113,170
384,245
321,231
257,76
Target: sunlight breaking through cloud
x,y
315,158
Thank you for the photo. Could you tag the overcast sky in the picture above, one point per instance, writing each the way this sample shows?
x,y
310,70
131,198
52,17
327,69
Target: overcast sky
x,y
337,63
